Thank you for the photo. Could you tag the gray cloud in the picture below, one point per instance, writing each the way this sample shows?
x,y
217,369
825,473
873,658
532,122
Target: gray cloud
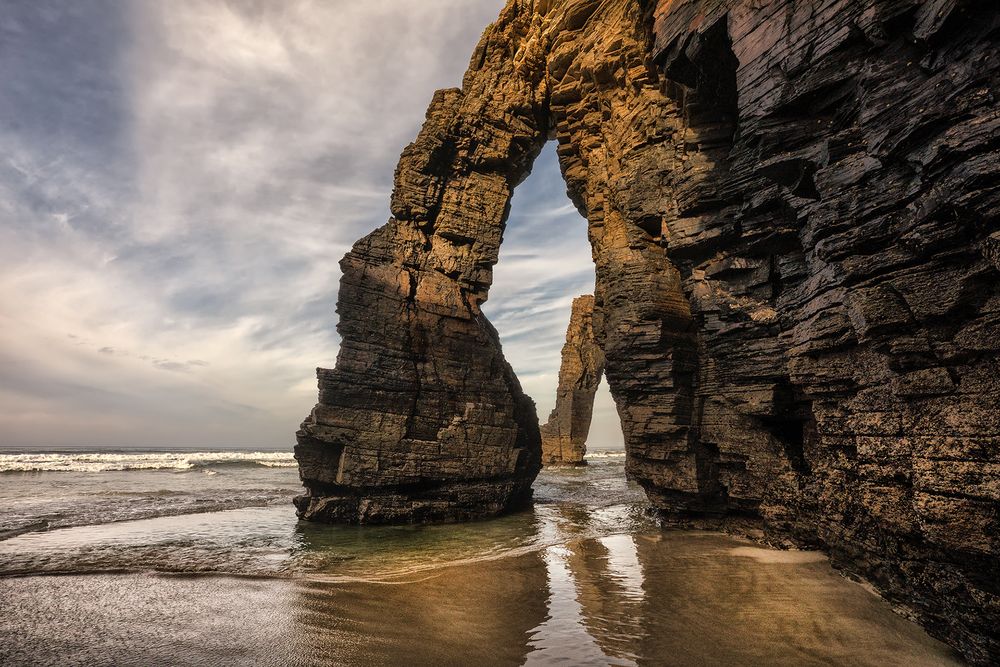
x,y
545,262
177,183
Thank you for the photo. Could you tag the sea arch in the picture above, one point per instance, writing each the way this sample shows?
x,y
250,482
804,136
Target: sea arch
x,y
796,269
422,418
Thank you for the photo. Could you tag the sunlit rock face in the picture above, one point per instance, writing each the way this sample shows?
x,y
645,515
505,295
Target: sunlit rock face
x,y
793,208
564,435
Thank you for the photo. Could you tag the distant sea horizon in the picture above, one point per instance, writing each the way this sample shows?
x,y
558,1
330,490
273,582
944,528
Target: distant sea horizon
x,y
79,448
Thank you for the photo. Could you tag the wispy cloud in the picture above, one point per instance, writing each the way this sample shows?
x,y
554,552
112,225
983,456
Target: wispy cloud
x,y
178,181
545,261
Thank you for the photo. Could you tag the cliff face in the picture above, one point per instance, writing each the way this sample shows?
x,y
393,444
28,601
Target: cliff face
x,y
564,435
793,208
834,190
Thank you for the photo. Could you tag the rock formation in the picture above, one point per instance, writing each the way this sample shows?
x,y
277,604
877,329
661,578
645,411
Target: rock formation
x,y
793,207
834,192
564,436
422,418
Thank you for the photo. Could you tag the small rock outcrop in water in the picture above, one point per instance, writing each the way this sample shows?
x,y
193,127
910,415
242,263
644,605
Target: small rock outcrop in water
x,y
564,436
793,208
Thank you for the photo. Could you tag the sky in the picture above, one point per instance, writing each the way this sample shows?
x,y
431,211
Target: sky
x,y
178,181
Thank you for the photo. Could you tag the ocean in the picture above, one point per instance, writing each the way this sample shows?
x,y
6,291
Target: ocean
x,y
183,557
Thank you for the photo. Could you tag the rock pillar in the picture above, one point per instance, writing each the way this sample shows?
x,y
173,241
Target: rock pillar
x,y
564,436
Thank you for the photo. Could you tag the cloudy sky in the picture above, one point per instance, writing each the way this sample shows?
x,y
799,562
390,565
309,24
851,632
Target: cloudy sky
x,y
177,183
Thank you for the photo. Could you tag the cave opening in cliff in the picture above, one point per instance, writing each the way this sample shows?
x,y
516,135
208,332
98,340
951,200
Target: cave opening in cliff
x,y
544,264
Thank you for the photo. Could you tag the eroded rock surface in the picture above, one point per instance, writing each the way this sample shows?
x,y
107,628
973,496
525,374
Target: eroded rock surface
x,y
564,435
793,208
423,419
832,203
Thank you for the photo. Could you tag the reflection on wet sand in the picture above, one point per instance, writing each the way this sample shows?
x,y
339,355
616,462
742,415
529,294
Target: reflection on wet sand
x,y
646,599
595,587
583,578
467,615
706,599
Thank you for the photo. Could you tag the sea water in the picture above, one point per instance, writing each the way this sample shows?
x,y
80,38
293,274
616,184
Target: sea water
x,y
195,557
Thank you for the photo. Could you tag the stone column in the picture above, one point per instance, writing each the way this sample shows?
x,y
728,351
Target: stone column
x,y
564,436
423,419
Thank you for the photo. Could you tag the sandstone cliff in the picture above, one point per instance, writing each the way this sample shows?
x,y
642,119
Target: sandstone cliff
x,y
564,435
793,207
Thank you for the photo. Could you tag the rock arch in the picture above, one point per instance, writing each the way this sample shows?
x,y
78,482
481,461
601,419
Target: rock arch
x,y
422,418
793,213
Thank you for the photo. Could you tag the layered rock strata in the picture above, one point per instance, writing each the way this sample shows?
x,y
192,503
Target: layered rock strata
x,y
793,208
564,435
423,419
830,210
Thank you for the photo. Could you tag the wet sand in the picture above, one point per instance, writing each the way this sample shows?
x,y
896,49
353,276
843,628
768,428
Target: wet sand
x,y
208,566
650,598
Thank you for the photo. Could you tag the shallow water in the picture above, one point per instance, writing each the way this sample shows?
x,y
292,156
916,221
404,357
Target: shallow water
x,y
584,577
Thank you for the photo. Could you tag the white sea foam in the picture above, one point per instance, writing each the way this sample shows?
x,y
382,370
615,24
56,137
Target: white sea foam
x,y
609,454
101,462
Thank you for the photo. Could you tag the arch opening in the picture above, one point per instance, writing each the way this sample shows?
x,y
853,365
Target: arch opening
x,y
544,281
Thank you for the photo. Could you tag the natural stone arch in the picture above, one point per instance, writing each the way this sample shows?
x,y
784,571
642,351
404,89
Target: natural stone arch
x,y
796,270
422,418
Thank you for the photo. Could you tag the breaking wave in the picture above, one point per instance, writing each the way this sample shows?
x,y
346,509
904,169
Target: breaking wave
x,y
608,454
94,462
